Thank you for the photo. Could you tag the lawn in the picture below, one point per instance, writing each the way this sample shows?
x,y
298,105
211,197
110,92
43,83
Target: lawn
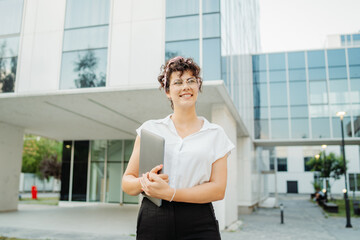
x,y
43,201
6,238
342,212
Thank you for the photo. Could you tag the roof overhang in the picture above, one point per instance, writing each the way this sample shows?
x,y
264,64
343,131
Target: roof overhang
x,y
306,142
101,113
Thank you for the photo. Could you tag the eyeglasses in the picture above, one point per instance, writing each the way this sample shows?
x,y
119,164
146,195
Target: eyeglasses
x,y
191,82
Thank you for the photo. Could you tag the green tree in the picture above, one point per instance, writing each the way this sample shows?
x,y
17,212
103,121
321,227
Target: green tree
x,y
39,149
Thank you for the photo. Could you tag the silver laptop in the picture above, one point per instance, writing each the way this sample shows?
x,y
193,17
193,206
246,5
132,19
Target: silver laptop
x,y
151,155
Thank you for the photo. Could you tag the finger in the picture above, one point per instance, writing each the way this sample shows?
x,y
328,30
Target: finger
x,y
157,168
154,177
164,176
147,181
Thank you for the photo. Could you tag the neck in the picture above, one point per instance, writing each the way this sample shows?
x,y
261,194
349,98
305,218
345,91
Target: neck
x,y
184,115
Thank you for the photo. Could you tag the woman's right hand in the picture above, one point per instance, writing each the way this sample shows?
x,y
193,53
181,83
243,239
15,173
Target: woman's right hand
x,y
156,169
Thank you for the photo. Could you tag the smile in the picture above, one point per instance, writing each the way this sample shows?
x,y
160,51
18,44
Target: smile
x,y
186,95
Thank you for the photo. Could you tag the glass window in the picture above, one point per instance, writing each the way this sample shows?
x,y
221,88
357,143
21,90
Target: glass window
x,y
319,110
354,56
260,77
299,111
306,167
277,76
183,7
10,16
297,75
9,47
7,74
278,96
318,92
182,28
279,112
339,91
299,128
261,113
259,62
342,40
354,71
81,69
337,73
355,90
81,13
280,129
282,164
211,59
276,61
261,129
316,59
96,192
336,125
85,38
320,127
260,95
298,93
296,60
352,182
356,39
182,48
358,181
317,74
336,57
211,6
211,25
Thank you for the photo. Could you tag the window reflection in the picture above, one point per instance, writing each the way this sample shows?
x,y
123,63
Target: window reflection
x,y
260,77
277,61
261,113
259,62
183,7
279,112
261,129
320,127
298,93
355,90
278,94
182,28
10,16
277,76
336,57
210,6
280,129
354,71
260,95
318,92
211,25
7,74
299,128
354,56
336,125
85,38
296,60
339,91
316,59
182,48
297,75
211,59
317,74
337,73
299,111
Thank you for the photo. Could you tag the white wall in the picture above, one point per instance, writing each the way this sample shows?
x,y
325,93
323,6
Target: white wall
x,y
11,144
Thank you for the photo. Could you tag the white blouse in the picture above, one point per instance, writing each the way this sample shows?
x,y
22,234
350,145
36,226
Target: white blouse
x,y
188,161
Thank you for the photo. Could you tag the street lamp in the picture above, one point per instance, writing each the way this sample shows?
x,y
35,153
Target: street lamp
x,y
347,206
325,166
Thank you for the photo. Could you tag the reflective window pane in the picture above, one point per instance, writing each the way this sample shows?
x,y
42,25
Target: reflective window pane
x,y
354,71
336,125
80,13
318,92
337,73
182,28
297,75
355,90
211,59
280,129
9,47
276,61
260,95
279,112
261,129
356,39
298,93
210,6
320,127
319,110
354,56
7,74
183,7
10,16
316,59
277,76
278,96
339,91
114,176
261,113
259,62
317,74
260,77
96,192
211,25
336,57
82,69
182,48
299,111
299,128
85,38
296,60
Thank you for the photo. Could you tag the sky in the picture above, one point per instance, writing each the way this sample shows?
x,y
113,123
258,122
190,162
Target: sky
x,y
287,25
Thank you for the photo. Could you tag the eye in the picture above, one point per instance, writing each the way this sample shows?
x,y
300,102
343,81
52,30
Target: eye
x,y
178,83
191,81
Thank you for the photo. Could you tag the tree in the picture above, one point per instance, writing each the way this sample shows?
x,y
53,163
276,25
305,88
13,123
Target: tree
x,y
330,166
7,78
50,166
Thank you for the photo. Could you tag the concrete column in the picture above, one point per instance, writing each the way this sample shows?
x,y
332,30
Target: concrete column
x,y
11,146
226,209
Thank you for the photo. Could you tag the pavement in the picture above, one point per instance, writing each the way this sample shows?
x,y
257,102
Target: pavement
x,y
302,220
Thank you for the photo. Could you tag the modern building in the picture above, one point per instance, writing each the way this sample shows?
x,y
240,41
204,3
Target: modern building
x,y
343,40
84,72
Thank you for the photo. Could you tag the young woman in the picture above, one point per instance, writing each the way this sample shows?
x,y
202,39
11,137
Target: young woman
x,y
195,164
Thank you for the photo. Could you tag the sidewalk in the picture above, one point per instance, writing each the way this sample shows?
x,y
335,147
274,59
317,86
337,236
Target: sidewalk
x,y
303,220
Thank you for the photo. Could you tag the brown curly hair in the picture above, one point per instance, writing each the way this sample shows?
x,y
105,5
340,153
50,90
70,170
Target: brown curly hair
x,y
178,64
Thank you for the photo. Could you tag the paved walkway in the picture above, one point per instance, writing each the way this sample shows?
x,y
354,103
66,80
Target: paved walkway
x,y
303,220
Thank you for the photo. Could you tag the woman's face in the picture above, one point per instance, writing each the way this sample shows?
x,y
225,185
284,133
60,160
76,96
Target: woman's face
x,y
183,90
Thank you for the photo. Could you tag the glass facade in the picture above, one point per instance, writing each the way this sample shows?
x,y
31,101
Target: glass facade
x,y
11,14
84,58
350,39
297,94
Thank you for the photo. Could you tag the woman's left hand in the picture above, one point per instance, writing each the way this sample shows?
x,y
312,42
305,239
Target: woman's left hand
x,y
154,186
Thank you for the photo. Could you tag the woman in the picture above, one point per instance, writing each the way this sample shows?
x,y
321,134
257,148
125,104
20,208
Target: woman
x,y
195,164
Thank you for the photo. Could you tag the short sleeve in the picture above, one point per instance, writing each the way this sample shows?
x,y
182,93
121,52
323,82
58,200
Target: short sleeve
x,y
222,145
145,125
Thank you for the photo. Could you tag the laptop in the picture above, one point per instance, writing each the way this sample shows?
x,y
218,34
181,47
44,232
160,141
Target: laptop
x,y
151,154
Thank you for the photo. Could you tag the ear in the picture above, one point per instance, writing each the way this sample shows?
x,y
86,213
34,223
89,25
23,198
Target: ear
x,y
168,95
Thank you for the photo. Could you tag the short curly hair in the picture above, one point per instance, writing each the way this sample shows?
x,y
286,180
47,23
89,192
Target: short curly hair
x,y
178,64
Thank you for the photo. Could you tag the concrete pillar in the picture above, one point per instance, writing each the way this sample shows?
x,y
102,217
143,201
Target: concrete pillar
x,y
11,146
226,209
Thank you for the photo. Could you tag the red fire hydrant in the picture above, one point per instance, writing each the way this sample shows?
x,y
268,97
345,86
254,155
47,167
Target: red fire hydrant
x,y
34,192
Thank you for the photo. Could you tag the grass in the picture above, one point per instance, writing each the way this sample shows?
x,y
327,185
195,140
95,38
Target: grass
x,y
342,211
43,201
6,238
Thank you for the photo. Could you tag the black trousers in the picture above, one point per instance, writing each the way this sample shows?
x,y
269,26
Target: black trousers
x,y
176,221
